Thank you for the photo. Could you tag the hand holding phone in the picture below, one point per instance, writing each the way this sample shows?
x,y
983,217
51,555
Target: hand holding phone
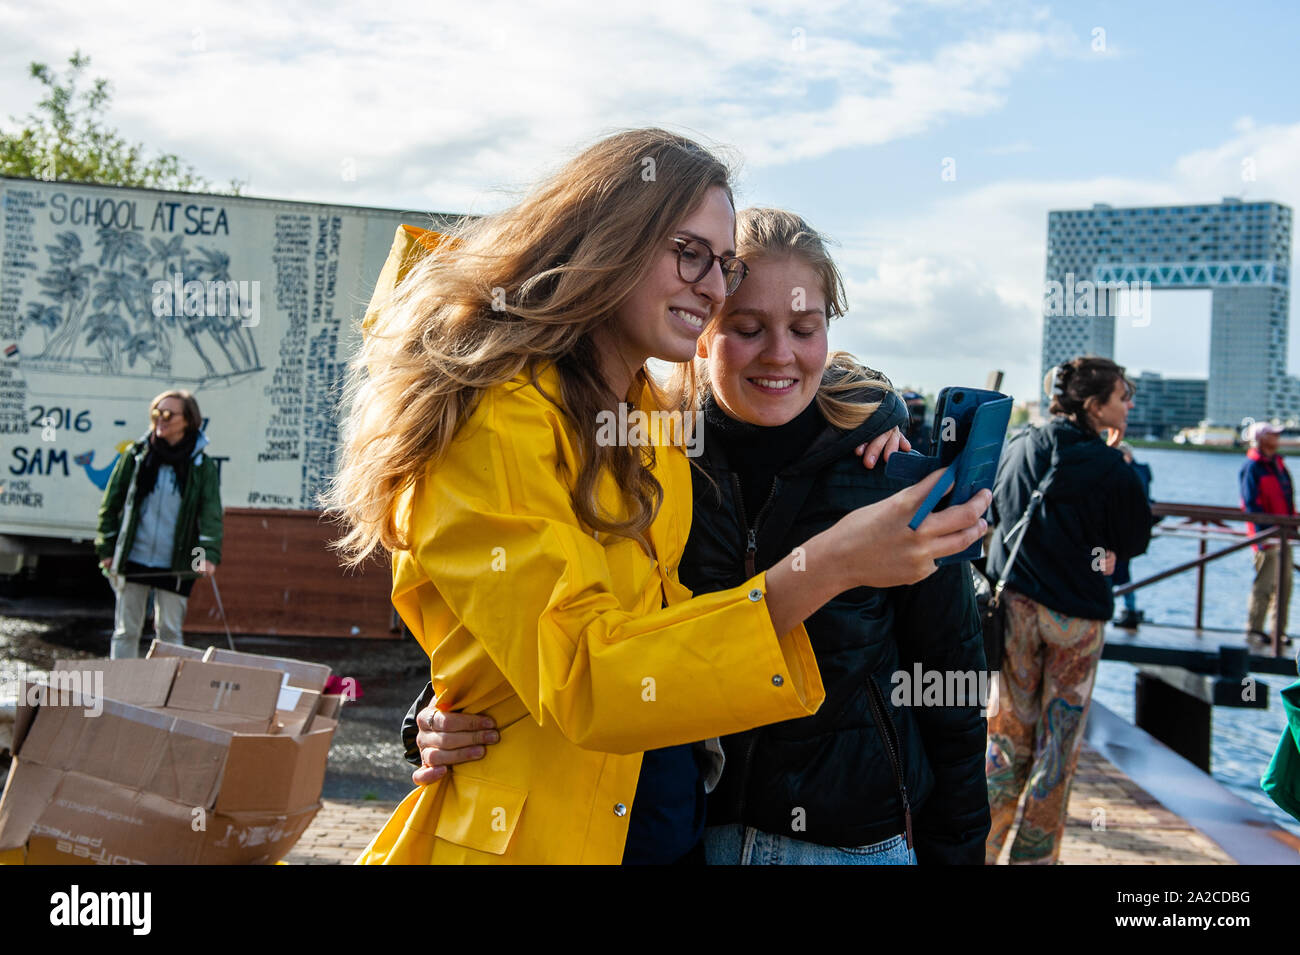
x,y
970,426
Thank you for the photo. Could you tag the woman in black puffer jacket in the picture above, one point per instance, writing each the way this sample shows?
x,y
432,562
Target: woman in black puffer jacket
x,y
1058,596
871,768
872,772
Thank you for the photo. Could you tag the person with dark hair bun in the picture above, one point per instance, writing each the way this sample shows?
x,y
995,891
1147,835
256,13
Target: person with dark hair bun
x,y
1058,595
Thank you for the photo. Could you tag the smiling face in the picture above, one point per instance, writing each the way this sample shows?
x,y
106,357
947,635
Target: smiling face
x,y
767,350
169,421
663,316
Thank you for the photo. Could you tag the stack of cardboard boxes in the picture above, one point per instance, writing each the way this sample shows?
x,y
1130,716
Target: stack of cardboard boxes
x,y
185,757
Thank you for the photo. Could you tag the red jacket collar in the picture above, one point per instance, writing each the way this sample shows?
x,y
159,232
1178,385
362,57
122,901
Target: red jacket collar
x,y
1256,455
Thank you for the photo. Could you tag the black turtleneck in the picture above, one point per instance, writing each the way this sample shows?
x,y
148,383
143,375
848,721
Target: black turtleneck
x,y
758,453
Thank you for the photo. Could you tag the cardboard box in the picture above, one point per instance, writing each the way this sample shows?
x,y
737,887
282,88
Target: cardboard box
x,y
306,676
299,701
330,705
158,648
295,711
166,760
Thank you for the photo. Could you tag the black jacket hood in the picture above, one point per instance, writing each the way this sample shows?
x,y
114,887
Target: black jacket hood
x,y
1082,458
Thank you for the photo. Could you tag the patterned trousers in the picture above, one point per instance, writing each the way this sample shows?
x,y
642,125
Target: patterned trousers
x,y
1036,712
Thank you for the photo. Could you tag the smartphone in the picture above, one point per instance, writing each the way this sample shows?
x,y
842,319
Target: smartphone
x,y
970,427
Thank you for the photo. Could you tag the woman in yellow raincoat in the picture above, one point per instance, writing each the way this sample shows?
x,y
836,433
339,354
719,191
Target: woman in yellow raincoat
x,y
536,520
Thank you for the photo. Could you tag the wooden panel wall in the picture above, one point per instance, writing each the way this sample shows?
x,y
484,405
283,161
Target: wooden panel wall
x,y
277,576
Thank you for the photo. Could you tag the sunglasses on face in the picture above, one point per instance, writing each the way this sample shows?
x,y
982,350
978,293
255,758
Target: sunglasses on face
x,y
695,258
166,414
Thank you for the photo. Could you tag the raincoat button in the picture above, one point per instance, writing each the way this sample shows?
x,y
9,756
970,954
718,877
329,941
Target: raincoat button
x,y
756,595
620,809
778,680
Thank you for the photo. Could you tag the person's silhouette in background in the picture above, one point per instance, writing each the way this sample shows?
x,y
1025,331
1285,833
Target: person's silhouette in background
x,y
918,424
1266,488
160,522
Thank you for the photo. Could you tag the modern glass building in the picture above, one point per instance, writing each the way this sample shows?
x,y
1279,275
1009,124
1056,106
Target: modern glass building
x,y
1164,406
1101,260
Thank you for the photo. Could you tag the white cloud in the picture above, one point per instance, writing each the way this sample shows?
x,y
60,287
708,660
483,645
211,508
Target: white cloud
x,y
452,107
1260,162
946,294
437,106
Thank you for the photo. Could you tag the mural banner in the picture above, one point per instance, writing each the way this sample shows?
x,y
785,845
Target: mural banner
x,y
109,296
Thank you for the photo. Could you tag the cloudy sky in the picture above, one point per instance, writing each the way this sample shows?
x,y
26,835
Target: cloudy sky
x,y
848,113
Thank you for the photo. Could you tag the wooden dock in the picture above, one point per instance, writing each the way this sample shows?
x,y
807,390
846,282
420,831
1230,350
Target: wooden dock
x,y
1194,648
1113,821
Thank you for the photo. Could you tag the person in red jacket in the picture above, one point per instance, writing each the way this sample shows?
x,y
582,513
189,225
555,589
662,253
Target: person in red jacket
x,y
1266,489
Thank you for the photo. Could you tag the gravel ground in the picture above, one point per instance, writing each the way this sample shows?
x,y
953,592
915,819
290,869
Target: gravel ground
x,y
365,760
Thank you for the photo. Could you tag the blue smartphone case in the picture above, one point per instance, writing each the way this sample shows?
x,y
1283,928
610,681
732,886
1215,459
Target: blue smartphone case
x,y
970,428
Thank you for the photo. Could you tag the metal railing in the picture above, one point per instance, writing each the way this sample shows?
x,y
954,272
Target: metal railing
x,y
1202,522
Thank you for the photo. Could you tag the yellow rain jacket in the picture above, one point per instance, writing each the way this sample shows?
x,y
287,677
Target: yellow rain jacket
x,y
583,648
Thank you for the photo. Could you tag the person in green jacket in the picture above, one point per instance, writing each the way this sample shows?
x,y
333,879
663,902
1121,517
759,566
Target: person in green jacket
x,y
160,522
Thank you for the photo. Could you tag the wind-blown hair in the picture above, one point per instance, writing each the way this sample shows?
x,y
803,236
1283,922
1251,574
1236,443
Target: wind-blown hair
x,y
507,294
776,234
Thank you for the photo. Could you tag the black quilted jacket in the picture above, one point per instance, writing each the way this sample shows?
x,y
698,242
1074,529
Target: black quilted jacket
x,y
843,776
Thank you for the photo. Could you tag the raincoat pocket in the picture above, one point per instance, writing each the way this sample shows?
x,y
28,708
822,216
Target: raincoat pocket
x,y
476,813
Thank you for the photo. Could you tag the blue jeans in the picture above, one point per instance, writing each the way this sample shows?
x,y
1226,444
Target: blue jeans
x,y
741,845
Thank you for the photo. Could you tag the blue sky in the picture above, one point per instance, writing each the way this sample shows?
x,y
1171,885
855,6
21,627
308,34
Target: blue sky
x,y
843,112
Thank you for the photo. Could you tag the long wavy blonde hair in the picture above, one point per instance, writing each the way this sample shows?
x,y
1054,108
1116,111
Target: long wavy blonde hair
x,y
510,293
774,234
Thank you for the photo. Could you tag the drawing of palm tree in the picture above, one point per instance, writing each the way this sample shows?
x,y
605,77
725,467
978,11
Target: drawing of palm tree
x,y
170,258
140,292
120,244
68,249
165,253
139,345
213,324
114,290
67,281
109,331
128,291
41,315
217,266
171,255
193,326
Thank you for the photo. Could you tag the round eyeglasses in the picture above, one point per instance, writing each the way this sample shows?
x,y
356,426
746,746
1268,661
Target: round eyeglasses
x,y
695,258
165,413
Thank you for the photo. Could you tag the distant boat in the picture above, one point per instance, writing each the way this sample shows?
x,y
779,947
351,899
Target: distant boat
x,y
1208,435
